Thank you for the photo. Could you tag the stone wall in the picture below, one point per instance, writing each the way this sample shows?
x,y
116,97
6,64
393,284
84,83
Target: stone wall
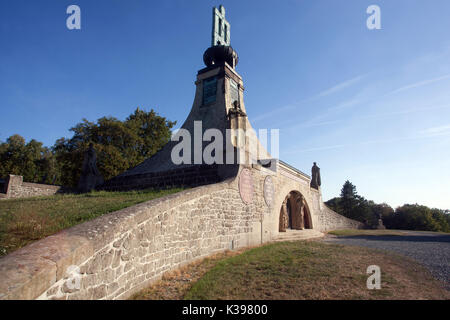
x,y
119,253
191,176
330,220
15,188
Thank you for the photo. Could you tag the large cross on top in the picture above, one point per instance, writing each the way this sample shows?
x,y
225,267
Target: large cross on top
x,y
221,28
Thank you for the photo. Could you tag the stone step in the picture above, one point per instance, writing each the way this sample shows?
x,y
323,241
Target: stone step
x,y
295,235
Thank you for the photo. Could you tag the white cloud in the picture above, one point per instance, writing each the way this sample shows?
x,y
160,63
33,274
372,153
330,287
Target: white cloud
x,y
271,113
341,86
337,146
322,94
420,84
436,131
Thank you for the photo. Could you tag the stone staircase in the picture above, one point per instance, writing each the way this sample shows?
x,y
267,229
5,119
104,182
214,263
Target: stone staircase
x,y
295,235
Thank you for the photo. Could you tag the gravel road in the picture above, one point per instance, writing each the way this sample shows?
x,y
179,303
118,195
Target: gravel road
x,y
430,249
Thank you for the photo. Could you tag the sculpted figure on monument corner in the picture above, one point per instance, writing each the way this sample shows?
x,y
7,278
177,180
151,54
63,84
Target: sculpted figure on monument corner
x,y
90,176
315,176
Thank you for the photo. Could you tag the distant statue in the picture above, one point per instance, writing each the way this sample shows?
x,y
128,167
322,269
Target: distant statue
x,y
90,176
380,225
315,177
379,215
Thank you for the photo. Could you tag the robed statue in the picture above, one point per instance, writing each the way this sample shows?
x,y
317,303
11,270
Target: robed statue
x,y
90,176
315,177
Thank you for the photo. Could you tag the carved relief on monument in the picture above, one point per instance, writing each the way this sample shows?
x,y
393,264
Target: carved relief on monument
x,y
209,90
246,188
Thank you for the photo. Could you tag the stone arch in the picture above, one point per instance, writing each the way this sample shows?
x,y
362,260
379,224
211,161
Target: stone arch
x,y
295,213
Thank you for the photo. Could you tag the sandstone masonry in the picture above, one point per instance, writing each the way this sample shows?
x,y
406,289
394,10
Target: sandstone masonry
x,y
120,253
15,188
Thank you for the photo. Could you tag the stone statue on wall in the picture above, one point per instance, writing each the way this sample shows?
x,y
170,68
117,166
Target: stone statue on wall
x,y
284,217
90,176
315,177
300,206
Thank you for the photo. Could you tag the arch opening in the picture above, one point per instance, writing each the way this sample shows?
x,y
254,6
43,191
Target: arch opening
x,y
295,213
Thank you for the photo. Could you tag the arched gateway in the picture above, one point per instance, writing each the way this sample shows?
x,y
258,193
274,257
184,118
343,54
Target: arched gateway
x,y
294,213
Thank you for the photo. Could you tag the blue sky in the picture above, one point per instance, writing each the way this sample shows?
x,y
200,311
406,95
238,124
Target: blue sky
x,y
371,106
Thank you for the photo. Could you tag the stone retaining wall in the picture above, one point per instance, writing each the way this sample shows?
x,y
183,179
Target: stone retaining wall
x,y
15,188
117,254
330,220
327,219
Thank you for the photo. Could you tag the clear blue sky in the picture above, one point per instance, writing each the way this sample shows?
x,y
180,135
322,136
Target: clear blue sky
x,y
369,106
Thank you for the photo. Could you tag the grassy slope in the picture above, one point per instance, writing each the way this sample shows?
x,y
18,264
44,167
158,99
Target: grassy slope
x,y
175,284
314,270
26,220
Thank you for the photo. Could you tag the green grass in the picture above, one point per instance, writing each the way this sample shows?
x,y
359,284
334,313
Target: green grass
x,y
313,270
356,232
23,221
390,232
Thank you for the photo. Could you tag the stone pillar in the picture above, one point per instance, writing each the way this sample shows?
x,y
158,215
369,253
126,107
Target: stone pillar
x,y
12,182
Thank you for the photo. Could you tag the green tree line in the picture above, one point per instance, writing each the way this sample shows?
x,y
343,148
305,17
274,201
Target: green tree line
x,y
407,217
120,145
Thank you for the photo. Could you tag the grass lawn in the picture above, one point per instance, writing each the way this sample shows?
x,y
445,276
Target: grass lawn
x,y
355,232
297,270
175,284
23,221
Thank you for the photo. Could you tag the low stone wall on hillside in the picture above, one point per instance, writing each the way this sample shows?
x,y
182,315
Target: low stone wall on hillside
x,y
330,220
119,253
14,187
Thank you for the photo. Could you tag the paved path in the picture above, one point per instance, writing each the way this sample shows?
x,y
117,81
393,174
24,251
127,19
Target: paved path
x,y
430,249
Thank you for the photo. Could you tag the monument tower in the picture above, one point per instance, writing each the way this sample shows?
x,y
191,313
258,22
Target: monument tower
x,y
218,106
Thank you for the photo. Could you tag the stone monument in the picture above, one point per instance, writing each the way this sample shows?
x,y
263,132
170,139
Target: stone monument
x,y
219,105
90,176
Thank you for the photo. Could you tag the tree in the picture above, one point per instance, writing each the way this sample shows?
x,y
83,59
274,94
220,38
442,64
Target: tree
x,y
418,217
31,160
442,219
407,217
353,206
383,210
120,145
349,200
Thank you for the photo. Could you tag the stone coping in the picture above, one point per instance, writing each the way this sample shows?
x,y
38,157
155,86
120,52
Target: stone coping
x,y
40,185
